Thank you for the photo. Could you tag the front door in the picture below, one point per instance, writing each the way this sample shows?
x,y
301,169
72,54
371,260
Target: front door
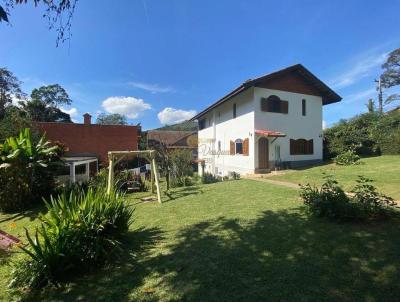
x,y
263,153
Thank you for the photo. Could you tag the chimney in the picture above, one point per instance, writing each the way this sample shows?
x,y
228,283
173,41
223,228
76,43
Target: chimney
x,y
87,119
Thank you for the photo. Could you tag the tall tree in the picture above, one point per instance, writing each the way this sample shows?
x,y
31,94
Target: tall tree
x,y
111,119
391,75
370,105
58,13
45,102
10,87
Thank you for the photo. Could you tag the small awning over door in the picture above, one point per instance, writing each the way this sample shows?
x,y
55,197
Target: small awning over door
x,y
270,133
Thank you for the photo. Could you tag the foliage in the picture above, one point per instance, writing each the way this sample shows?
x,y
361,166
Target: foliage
x,y
391,74
367,134
10,87
347,158
328,201
208,178
12,122
111,119
181,167
25,170
184,126
58,13
372,203
80,230
45,102
332,202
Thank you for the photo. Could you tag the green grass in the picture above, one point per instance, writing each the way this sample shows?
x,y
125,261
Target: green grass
x,y
239,241
384,170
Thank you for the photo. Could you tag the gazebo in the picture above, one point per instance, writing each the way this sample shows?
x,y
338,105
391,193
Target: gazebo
x,y
115,157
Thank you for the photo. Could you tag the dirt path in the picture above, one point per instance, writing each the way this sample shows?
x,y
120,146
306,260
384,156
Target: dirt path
x,y
276,182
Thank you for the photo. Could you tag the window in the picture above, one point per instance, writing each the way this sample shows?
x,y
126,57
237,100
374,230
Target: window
x,y
238,146
234,110
303,107
202,124
274,104
301,146
219,146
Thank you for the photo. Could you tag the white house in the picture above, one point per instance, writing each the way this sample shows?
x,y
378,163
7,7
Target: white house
x,y
271,121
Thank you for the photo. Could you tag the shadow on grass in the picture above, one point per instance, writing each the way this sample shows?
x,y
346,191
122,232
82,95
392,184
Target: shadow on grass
x,y
280,256
32,214
182,192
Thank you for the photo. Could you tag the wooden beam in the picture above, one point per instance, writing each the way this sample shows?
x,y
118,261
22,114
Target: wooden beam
x,y
110,173
153,161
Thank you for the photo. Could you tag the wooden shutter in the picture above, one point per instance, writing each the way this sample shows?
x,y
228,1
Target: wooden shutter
x,y
246,146
232,148
292,141
284,107
264,104
310,145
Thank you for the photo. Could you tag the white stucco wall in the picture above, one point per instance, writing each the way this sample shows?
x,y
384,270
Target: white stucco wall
x,y
293,124
220,126
224,128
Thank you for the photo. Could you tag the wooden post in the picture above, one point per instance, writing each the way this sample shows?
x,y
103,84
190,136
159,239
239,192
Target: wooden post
x,y
110,173
152,178
72,173
153,161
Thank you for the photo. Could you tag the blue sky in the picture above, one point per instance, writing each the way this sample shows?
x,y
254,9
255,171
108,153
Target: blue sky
x,y
160,61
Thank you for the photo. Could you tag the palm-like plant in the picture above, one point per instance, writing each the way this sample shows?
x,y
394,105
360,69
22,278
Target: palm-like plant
x,y
25,169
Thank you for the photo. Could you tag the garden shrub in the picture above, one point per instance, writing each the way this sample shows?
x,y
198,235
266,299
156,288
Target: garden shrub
x,y
80,231
208,178
26,171
332,202
347,158
368,134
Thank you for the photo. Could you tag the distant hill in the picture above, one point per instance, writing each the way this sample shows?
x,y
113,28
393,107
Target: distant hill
x,y
184,126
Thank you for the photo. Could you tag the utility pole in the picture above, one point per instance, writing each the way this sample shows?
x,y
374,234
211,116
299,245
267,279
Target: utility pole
x,y
380,94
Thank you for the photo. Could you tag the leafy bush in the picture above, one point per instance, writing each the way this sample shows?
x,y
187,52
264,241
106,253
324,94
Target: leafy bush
x,y
181,167
80,231
332,202
234,175
26,171
371,202
347,158
208,178
368,134
328,201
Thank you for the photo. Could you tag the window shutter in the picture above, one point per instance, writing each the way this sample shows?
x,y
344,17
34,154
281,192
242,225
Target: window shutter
x,y
246,146
310,147
232,148
285,107
264,104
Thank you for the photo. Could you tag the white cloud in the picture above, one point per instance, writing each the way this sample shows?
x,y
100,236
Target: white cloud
x,y
153,88
73,112
361,68
16,101
172,116
324,125
126,105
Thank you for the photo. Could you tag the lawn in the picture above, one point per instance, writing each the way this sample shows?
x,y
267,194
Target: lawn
x,y
384,170
239,240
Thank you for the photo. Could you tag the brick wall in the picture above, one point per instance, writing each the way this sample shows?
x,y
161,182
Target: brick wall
x,y
91,139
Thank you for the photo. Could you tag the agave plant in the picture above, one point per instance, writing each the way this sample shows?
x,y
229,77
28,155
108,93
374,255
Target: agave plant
x,y
80,231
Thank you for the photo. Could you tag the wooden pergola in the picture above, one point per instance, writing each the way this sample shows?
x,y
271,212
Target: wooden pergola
x,y
115,157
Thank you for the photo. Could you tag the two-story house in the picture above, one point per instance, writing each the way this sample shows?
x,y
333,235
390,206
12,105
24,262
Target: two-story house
x,y
271,121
